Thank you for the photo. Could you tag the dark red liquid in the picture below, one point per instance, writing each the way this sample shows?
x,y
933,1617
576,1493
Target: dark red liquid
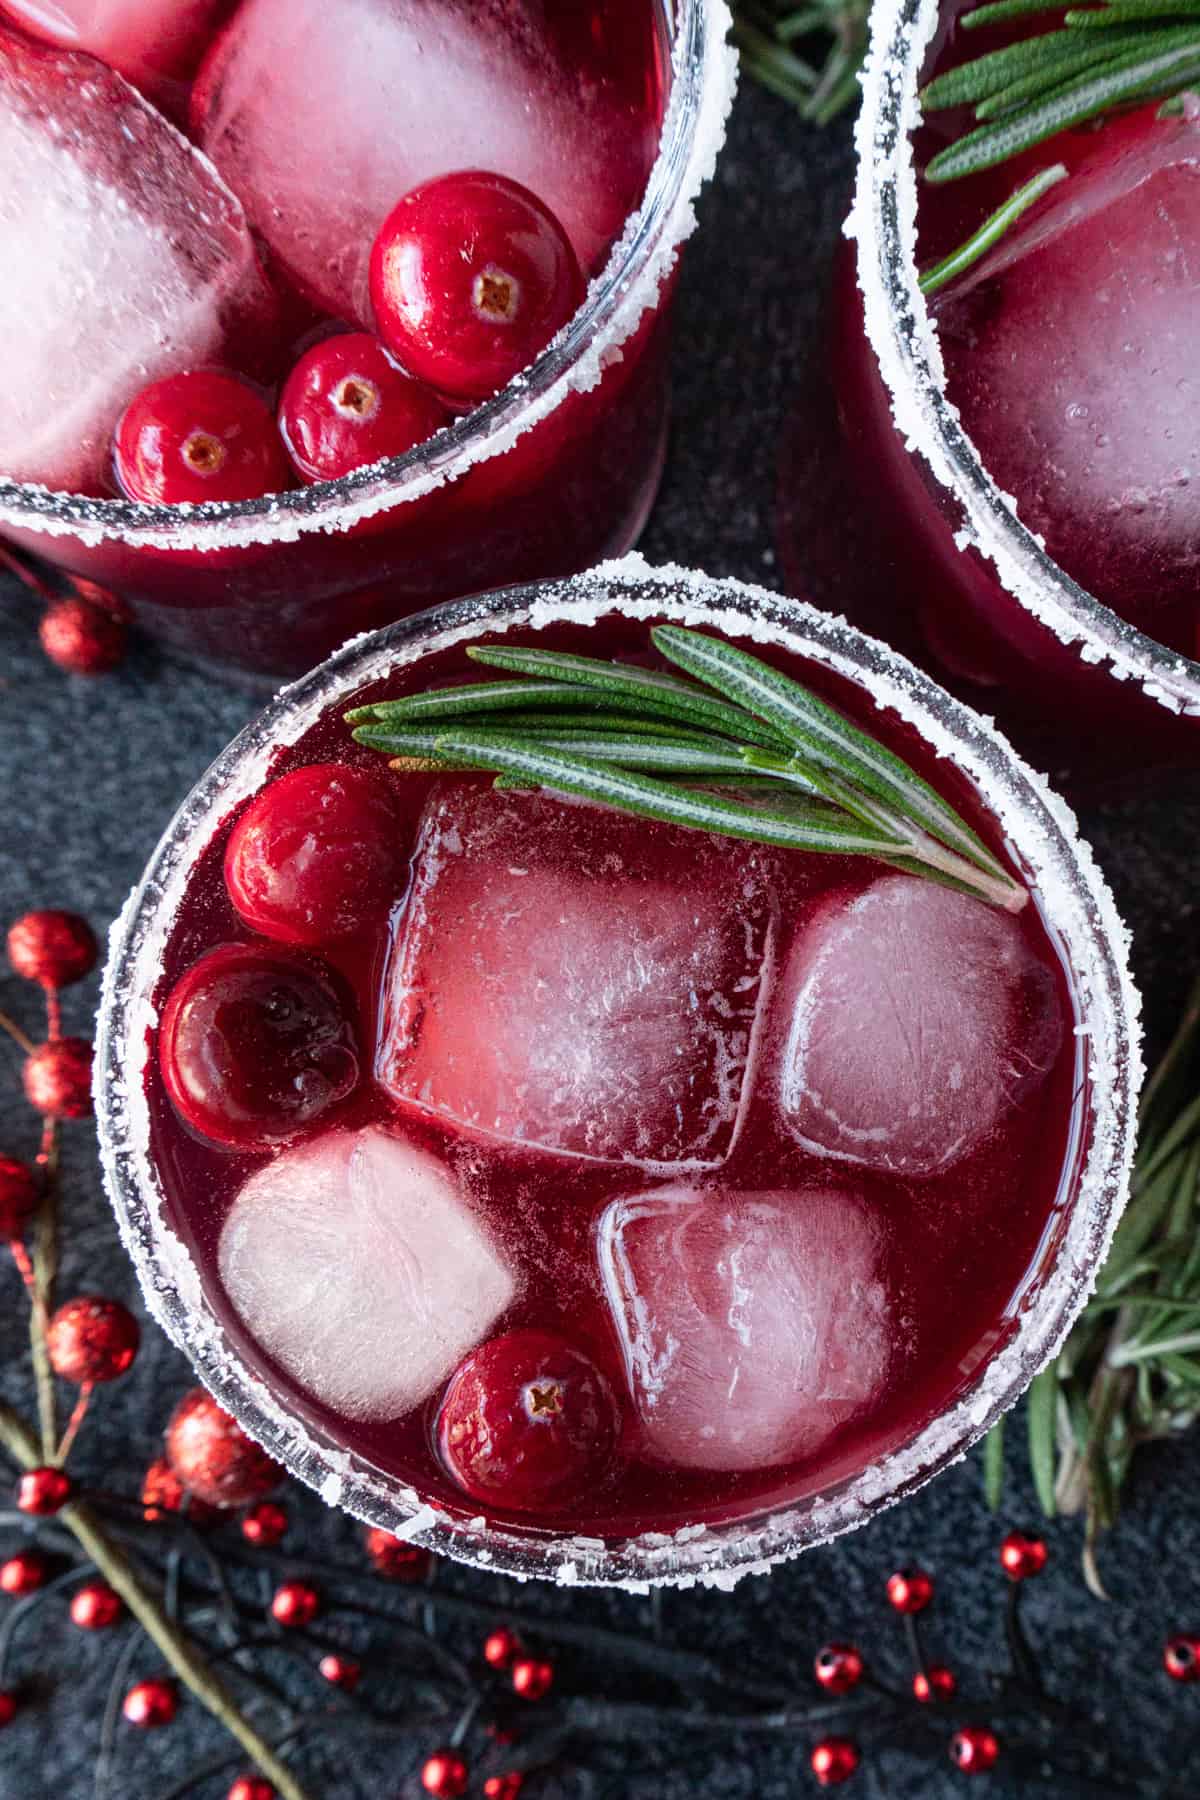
x,y
961,1252
573,490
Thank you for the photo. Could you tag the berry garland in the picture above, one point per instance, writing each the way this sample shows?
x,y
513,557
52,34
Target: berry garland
x,y
195,1578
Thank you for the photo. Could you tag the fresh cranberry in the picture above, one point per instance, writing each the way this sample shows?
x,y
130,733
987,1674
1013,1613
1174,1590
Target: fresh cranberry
x,y
527,1419
315,854
256,1044
346,404
471,276
198,436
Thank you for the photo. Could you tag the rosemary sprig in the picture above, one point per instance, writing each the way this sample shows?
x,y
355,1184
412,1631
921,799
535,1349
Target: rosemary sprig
x,y
809,55
1102,58
732,746
992,230
1130,1370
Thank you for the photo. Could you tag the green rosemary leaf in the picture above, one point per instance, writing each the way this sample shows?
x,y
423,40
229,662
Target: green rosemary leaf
x,y
993,1466
992,230
808,55
456,702
1131,12
1002,11
1135,75
1047,56
629,749
1043,1435
816,828
658,693
823,737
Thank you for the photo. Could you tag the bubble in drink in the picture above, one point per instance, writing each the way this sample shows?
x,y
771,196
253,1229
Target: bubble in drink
x,y
124,258
320,117
359,1267
567,979
753,1325
916,1019
143,39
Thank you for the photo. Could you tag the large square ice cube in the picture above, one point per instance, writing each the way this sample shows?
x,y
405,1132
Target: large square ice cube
x,y
359,1267
571,980
754,1325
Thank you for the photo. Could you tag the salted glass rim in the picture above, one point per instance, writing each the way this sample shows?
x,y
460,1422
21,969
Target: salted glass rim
x,y
1042,835
704,75
899,327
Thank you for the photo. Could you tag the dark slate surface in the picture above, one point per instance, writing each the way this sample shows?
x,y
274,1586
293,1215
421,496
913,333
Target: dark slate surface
x,y
91,774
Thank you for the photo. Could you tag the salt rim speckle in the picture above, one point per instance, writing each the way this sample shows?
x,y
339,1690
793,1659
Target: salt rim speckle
x,y
1041,835
704,66
883,222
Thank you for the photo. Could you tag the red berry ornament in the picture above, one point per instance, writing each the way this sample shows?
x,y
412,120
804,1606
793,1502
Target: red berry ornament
x,y
92,1340
295,1604
316,854
251,1787
1021,1556
19,1196
838,1668
58,1079
265,1524
395,1559
500,1648
974,1750
833,1761
96,1607
471,276
444,1775
1181,1657
213,1457
149,1704
163,1492
341,1671
23,1573
82,638
934,1683
52,948
910,1590
44,1491
532,1678
346,404
8,1708
198,436
503,1787
527,1420
256,1044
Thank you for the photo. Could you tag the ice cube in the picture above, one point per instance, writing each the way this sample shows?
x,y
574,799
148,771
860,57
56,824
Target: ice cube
x,y
320,117
124,258
567,979
916,1017
1075,360
143,39
753,1325
358,1266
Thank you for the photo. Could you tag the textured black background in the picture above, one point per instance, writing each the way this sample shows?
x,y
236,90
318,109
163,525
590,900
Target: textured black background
x,y
91,773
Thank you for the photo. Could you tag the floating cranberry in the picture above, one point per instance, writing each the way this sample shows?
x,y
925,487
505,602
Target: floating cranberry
x,y
346,404
833,1761
23,1573
251,1787
394,1558
44,1491
838,1668
934,1683
444,1775
527,1419
256,1044
52,948
92,1340
96,1607
341,1671
1021,1556
58,1079
82,638
198,436
213,1457
265,1524
315,855
532,1677
295,1604
8,1707
149,1704
910,1590
974,1749
1181,1657
471,276
19,1197
500,1648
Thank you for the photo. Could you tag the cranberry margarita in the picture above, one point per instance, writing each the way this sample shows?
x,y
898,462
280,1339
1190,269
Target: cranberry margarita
x,y
1048,530
327,311
588,1192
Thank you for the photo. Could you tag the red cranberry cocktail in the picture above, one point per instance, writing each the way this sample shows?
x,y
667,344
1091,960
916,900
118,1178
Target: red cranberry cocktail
x,y
1048,529
630,1117
316,313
